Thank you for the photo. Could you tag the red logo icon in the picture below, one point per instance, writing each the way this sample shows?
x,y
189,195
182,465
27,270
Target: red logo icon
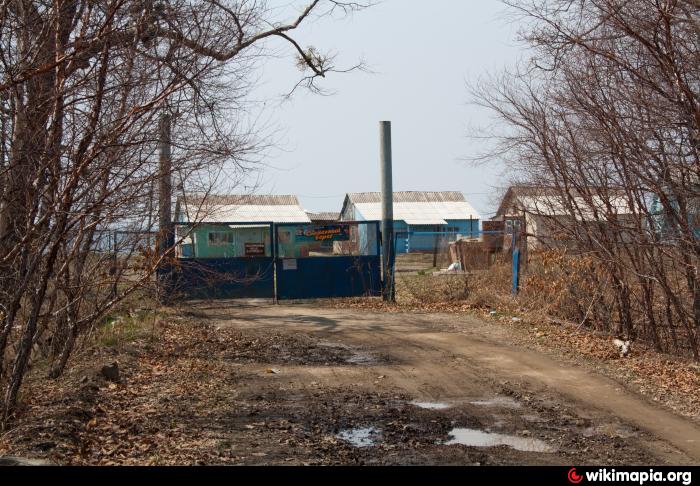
x,y
574,477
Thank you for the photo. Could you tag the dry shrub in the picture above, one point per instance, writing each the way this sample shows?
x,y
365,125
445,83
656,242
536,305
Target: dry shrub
x,y
554,284
567,287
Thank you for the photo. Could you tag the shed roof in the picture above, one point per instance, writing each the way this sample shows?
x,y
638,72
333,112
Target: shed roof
x,y
243,208
323,216
546,201
415,207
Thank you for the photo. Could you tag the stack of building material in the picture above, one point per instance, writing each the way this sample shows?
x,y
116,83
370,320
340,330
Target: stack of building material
x,y
493,235
471,254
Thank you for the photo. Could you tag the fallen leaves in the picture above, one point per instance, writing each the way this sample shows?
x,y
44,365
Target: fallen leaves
x,y
671,381
177,401
178,388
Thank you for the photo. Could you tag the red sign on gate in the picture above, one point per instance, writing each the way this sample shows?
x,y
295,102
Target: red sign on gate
x,y
254,249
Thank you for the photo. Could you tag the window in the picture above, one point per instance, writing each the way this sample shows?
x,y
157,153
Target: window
x,y
220,238
513,223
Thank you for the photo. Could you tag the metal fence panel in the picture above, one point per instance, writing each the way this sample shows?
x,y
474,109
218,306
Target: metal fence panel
x,y
221,278
221,261
324,277
298,261
322,261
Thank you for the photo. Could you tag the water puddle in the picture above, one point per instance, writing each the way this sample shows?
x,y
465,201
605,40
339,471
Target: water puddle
x,y
479,438
328,344
360,437
356,357
361,359
504,402
431,405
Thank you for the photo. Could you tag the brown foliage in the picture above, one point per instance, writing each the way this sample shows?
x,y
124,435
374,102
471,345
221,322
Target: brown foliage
x,y
83,85
605,121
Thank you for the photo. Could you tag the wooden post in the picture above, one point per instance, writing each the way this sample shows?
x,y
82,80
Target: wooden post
x,y
165,222
166,237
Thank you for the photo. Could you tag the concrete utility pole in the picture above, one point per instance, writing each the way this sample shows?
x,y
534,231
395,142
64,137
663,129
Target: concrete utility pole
x,y
388,251
166,238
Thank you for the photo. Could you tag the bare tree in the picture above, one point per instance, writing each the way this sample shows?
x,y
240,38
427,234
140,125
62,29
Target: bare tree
x,y
607,116
82,86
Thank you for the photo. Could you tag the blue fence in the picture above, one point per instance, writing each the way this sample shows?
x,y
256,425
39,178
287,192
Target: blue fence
x,y
221,260
291,261
222,278
324,277
285,261
322,261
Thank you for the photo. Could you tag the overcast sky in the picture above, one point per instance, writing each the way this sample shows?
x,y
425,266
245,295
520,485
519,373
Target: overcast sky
x,y
422,54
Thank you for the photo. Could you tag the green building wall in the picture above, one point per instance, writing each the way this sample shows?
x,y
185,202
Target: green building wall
x,y
241,236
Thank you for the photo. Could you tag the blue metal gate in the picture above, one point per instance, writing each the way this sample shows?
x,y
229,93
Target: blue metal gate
x,y
222,260
264,260
335,260
222,278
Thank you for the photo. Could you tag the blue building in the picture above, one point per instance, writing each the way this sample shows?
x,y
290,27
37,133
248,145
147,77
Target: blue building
x,y
418,217
664,221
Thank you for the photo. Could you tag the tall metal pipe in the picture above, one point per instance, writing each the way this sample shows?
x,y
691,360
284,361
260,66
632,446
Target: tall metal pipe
x,y
388,250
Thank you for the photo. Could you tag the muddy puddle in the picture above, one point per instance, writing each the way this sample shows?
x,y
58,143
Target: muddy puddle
x,y
361,359
352,354
431,405
360,437
492,402
502,402
479,438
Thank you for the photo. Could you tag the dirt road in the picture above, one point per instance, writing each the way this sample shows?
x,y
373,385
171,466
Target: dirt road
x,y
356,386
248,383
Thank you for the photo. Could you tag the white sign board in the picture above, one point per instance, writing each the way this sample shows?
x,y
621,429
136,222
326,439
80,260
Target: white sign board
x,y
289,264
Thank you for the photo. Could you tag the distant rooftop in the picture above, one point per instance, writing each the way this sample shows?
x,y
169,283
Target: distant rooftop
x,y
243,208
407,196
415,207
546,200
323,216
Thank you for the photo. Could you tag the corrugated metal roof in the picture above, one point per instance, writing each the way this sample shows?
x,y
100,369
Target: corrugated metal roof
x,y
243,208
424,221
416,208
546,201
243,200
407,196
323,216
586,210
